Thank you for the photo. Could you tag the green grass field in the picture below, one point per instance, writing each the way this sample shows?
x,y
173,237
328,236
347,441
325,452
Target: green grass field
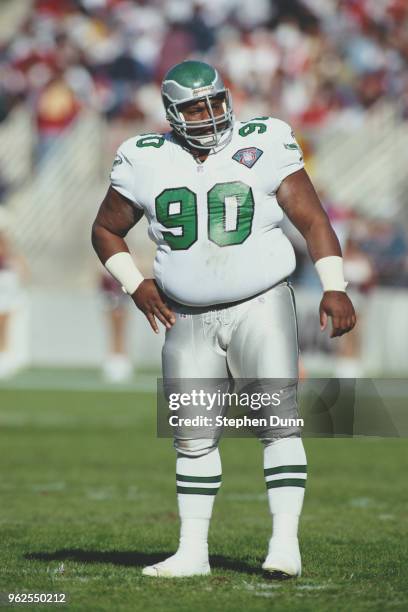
x,y
88,499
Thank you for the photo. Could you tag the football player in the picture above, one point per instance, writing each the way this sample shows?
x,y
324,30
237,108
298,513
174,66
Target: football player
x,y
214,191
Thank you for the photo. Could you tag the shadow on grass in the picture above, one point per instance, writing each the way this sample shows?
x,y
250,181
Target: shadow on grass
x,y
132,559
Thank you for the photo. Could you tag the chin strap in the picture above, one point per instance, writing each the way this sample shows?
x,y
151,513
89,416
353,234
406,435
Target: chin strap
x,y
224,140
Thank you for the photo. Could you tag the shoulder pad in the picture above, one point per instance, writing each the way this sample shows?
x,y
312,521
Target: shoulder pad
x,y
139,148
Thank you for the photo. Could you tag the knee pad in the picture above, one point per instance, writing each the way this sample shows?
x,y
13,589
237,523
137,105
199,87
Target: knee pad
x,y
195,448
274,441
281,421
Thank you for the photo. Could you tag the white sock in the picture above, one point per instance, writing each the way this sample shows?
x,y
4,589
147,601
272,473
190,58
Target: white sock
x,y
285,476
198,481
194,537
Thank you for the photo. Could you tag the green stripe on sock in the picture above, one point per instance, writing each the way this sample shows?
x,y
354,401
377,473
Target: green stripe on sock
x,y
197,490
281,469
286,482
198,478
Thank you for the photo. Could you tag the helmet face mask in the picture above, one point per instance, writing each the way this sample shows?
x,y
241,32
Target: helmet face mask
x,y
203,133
190,83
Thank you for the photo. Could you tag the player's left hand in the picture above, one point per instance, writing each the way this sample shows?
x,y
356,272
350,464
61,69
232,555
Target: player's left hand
x,y
338,306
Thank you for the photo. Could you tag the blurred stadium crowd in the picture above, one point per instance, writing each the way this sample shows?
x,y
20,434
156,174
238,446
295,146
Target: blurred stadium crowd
x,y
375,251
318,60
318,64
311,62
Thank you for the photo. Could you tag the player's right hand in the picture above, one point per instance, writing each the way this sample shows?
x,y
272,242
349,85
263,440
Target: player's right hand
x,y
148,299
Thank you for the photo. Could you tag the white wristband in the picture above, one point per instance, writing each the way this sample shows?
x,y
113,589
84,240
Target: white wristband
x,y
330,271
123,268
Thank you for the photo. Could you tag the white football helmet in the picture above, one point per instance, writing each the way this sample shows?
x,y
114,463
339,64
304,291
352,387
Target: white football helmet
x,y
191,81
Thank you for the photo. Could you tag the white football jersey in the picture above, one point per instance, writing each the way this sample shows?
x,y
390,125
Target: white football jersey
x,y
216,223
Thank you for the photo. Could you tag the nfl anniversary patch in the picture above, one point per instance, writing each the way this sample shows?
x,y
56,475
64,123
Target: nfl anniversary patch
x,y
248,156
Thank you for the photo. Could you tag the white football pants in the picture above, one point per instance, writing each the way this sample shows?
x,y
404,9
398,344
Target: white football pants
x,y
252,339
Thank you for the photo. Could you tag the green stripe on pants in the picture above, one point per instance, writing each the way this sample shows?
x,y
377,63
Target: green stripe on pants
x,y
286,482
198,478
281,469
197,490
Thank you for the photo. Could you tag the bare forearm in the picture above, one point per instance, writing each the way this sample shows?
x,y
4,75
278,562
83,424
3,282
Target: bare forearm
x,y
106,243
321,239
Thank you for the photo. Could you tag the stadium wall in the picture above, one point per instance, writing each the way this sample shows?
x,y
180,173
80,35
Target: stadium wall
x,y
69,329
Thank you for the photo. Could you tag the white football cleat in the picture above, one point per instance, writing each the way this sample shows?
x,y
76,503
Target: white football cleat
x,y
283,560
178,566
